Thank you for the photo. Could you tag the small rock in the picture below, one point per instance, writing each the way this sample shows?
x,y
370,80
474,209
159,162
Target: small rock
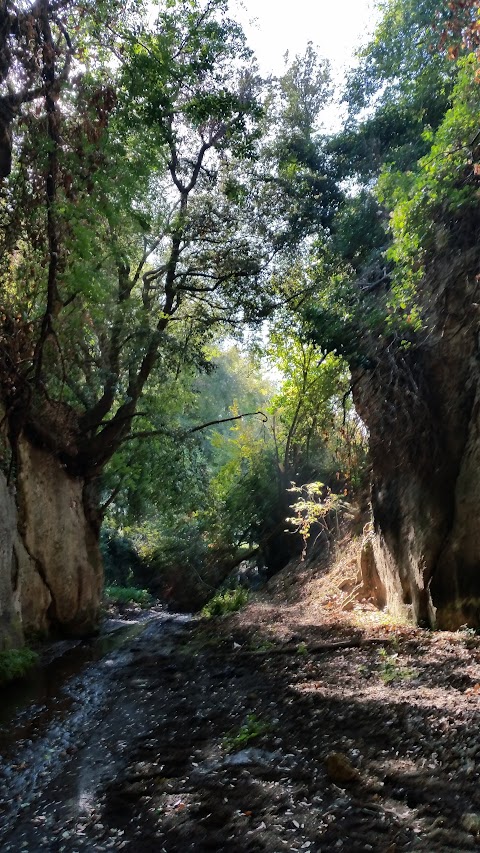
x,y
340,770
252,755
471,822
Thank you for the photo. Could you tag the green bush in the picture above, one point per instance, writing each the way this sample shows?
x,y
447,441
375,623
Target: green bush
x,y
122,563
224,602
390,671
15,663
251,729
128,595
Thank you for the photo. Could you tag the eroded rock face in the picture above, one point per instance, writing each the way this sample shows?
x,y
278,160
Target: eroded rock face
x,y
422,407
50,565
11,633
59,542
34,595
370,574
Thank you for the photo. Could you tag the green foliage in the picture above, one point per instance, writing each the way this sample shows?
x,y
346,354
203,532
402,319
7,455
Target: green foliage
x,y
165,215
317,433
245,493
335,327
304,408
399,97
185,189
122,563
311,431
359,230
406,146
408,81
252,729
134,475
428,205
189,61
389,670
228,601
204,510
16,663
154,554
312,508
413,112
184,186
128,595
309,194
181,545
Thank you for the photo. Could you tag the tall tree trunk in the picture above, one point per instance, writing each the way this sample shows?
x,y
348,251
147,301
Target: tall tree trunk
x,y
422,407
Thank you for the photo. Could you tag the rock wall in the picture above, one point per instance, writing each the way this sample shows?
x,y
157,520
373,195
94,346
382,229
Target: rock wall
x,y
11,632
50,566
62,545
422,407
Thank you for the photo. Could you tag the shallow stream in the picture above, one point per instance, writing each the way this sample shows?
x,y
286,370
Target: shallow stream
x,y
43,718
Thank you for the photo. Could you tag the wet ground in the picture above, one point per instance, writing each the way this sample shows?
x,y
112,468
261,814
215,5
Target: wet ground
x,y
254,733
60,728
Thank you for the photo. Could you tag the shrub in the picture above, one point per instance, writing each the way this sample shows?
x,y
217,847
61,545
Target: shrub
x,y
122,563
15,663
224,602
128,595
390,671
251,729
184,568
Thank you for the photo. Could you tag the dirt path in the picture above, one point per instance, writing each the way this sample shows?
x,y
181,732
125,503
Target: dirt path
x,y
368,747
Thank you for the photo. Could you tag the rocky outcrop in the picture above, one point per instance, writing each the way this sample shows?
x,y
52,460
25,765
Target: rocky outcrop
x,y
371,577
60,542
50,565
11,631
422,406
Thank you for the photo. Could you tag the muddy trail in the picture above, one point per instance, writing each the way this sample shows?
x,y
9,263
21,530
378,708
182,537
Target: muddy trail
x,y
265,731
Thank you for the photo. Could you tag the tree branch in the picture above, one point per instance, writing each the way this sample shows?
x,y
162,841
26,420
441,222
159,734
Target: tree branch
x,y
226,420
165,431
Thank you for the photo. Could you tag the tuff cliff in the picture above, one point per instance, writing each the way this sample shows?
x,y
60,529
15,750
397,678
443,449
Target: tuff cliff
x,y
421,404
50,565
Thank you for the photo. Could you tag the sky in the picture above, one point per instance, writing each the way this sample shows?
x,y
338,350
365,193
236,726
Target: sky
x,y
335,27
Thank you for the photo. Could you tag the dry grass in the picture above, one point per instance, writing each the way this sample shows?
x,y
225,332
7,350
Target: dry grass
x,y
313,598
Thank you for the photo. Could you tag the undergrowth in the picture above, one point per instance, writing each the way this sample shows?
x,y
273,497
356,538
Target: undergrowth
x,y
15,663
128,595
389,670
251,729
224,602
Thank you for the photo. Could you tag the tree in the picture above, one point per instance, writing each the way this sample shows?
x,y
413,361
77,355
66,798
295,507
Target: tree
x,y
311,432
80,340
134,224
401,87
309,193
187,534
304,409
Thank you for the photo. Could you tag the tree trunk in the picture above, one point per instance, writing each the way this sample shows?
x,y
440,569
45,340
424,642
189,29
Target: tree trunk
x,y
59,544
422,407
